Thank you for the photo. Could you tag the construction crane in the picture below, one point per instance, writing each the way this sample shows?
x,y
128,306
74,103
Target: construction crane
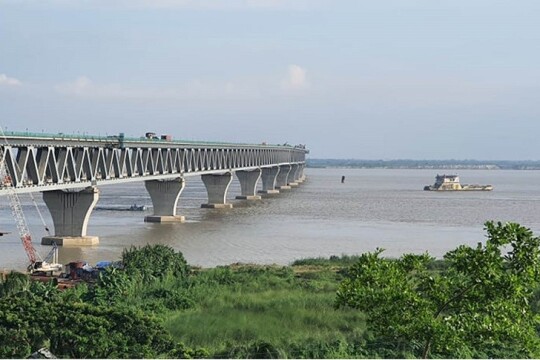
x,y
37,263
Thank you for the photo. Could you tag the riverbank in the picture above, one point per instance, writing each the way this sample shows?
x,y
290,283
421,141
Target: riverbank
x,y
157,306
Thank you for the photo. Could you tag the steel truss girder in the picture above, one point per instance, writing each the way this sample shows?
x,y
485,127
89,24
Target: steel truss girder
x,y
45,166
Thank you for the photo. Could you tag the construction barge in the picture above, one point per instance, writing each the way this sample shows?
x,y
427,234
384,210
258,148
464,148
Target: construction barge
x,y
452,183
74,273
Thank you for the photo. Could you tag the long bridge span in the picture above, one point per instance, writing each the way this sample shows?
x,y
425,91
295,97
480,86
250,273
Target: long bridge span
x,y
68,170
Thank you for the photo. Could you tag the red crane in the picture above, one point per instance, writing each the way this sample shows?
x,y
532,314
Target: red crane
x,y
36,262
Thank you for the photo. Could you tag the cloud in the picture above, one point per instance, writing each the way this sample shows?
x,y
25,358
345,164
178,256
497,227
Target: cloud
x,y
171,4
80,86
261,87
9,81
84,87
296,78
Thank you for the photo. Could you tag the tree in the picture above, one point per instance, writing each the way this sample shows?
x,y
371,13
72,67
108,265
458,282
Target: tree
x,y
477,305
35,314
79,330
87,331
112,286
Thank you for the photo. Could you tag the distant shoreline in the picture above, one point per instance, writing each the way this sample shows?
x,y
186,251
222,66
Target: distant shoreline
x,y
425,164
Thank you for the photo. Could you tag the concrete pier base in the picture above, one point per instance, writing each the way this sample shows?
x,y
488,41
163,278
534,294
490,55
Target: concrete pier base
x,y
269,192
70,240
268,177
164,195
164,219
300,173
216,187
294,173
248,184
248,197
282,179
216,206
70,212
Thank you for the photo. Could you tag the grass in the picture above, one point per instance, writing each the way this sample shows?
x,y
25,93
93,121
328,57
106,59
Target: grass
x,y
339,261
284,308
255,311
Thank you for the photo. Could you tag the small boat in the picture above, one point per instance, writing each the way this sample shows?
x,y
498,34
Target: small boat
x,y
136,207
133,207
451,183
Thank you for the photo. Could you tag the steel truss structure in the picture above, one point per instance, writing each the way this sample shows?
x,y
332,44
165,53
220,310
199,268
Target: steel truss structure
x,y
38,164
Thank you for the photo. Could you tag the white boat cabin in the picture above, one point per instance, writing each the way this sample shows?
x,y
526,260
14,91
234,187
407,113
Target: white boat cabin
x,y
447,181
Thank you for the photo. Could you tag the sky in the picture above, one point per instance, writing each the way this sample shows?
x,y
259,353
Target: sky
x,y
380,79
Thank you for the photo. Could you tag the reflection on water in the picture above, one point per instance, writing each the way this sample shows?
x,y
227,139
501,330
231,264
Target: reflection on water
x,y
372,208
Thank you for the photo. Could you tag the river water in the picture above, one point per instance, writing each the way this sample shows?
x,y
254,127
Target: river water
x,y
322,217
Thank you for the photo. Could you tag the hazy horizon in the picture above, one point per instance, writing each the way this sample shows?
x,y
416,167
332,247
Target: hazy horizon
x,y
382,79
434,160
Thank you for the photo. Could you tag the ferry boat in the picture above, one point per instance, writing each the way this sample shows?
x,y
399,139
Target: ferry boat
x,y
451,183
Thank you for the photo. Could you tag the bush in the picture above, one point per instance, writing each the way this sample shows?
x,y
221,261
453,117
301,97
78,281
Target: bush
x,y
113,285
220,275
318,349
172,300
155,262
476,303
258,349
78,330
183,352
14,283
333,260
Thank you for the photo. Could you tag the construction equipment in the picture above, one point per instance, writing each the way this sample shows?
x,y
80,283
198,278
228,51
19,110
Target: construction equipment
x,y
36,262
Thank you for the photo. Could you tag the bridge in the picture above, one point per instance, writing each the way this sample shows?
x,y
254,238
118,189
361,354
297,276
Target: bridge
x,y
68,170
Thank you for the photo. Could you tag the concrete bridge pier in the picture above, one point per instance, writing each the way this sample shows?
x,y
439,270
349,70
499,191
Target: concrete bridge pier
x,y
282,177
248,184
293,175
164,195
70,212
269,176
216,187
300,174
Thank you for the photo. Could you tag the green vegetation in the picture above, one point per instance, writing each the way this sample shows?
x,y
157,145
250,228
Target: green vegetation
x,y
478,306
477,302
108,319
256,311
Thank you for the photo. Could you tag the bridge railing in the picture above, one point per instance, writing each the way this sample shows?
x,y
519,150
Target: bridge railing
x,y
21,137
